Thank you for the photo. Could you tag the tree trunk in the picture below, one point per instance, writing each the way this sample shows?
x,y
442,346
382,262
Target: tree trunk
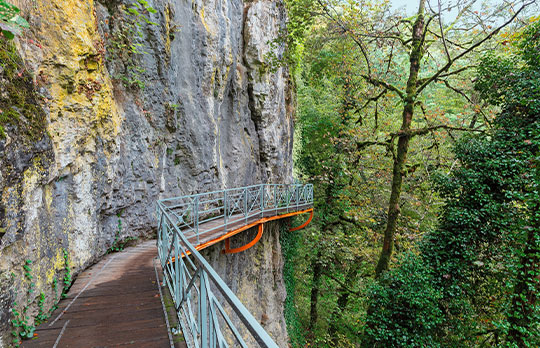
x,y
403,142
343,299
315,286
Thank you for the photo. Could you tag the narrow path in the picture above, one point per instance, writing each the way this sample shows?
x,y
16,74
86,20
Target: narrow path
x,y
115,303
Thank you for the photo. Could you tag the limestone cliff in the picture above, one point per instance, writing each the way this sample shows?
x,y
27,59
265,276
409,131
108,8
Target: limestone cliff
x,y
119,103
256,277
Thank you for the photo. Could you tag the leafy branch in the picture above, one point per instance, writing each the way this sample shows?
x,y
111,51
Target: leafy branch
x,y
11,23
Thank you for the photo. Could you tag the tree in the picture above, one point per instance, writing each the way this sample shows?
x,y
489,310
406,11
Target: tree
x,y
513,83
407,311
381,40
482,262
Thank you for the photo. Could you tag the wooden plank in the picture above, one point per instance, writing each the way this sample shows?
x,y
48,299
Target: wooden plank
x,y
115,303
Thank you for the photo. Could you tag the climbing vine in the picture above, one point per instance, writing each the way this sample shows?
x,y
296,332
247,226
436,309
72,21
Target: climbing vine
x,y
67,274
55,298
22,329
20,322
124,43
289,242
118,243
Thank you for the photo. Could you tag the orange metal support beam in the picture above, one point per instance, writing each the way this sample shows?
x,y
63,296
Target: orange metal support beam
x,y
228,249
304,224
243,228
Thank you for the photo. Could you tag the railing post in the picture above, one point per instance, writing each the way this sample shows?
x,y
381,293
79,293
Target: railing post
x,y
297,189
203,303
275,198
196,212
225,213
177,283
245,204
262,201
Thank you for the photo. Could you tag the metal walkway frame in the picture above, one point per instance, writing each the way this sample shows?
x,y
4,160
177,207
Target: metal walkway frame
x,y
204,304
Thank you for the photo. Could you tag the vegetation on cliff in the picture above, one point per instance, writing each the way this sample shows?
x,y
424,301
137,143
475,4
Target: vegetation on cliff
x,y
19,107
11,21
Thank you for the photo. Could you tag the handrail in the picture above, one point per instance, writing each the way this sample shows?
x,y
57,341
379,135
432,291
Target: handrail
x,y
191,280
236,204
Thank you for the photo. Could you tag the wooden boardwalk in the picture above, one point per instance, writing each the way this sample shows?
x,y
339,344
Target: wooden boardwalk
x,y
118,303
215,231
115,303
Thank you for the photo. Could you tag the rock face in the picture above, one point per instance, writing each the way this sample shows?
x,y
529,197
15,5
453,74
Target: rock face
x,y
133,102
255,275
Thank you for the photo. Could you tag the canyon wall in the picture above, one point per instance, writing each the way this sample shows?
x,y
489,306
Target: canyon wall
x,y
107,106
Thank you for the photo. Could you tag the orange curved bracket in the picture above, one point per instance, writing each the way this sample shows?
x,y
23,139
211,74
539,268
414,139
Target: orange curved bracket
x,y
228,249
304,224
263,220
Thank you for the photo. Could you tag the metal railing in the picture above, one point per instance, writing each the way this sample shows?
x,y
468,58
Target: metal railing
x,y
191,280
232,206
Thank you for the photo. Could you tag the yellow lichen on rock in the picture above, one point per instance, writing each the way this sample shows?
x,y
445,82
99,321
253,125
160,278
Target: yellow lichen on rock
x,y
58,264
82,106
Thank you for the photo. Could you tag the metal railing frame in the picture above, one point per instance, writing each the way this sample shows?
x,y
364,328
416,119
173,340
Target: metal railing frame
x,y
190,278
246,202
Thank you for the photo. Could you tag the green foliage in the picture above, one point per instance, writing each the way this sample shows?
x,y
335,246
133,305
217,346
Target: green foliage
x,y
351,187
120,243
18,105
41,316
115,246
11,23
20,321
21,328
55,298
517,140
67,274
125,43
405,304
289,243
512,81
483,259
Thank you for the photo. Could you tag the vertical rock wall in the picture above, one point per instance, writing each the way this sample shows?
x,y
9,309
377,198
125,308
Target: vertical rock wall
x,y
127,109
256,276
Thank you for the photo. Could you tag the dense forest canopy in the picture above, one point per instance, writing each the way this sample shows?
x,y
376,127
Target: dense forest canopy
x,y
421,135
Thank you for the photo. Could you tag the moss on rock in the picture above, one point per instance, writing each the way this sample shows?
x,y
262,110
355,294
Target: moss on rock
x,y
20,112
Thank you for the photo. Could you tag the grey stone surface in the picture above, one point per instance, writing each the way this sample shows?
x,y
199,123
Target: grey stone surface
x,y
255,275
211,115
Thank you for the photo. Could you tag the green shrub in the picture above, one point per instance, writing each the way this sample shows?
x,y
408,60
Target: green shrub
x,y
404,310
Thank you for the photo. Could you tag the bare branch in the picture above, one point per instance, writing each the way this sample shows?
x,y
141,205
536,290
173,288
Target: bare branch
x,y
346,29
454,72
453,43
363,144
471,48
372,99
442,33
379,83
426,130
341,284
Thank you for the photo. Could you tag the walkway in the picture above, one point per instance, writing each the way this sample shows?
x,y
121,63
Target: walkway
x,y
115,303
208,311
209,218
